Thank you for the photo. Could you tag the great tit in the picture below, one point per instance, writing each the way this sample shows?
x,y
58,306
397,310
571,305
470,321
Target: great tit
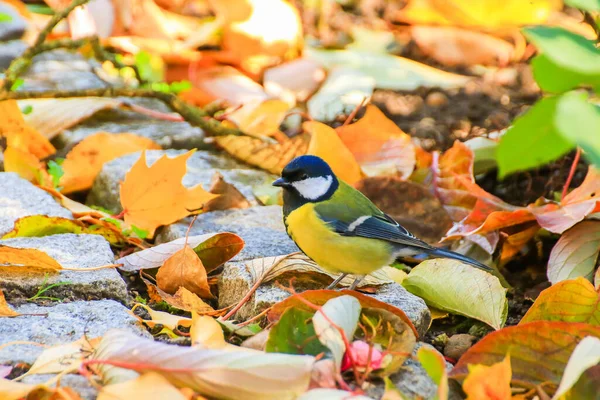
x,y
340,228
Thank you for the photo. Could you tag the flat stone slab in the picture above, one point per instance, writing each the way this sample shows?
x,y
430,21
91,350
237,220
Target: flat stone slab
x,y
9,51
20,198
236,281
201,167
261,228
64,323
168,134
72,251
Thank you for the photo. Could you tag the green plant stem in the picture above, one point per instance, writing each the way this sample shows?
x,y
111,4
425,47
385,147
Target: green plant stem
x,y
20,64
193,115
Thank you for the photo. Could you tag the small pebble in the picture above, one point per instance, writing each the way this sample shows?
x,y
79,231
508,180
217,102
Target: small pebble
x,y
458,344
436,99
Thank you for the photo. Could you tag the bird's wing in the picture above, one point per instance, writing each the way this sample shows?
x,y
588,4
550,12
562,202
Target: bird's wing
x,y
355,215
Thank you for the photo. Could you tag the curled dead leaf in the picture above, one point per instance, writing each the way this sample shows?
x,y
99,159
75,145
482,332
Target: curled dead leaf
x,y
184,269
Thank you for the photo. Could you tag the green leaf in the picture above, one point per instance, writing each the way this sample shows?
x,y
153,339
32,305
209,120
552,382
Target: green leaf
x,y
435,366
150,67
555,79
533,140
17,84
56,171
141,233
577,120
585,355
294,333
565,49
5,17
391,391
587,5
27,109
458,288
484,152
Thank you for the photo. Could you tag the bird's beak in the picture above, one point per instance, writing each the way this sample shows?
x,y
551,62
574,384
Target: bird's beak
x,y
281,182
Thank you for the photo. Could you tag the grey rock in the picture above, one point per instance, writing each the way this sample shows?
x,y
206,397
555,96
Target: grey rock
x,y
15,27
62,70
236,281
19,198
201,167
78,383
458,344
64,323
413,381
261,228
169,134
72,251
9,51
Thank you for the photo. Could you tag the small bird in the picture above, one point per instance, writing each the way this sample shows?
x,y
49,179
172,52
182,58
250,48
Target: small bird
x,y
340,228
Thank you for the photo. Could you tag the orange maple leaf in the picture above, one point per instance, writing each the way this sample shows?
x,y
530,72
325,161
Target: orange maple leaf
x,y
154,196
21,135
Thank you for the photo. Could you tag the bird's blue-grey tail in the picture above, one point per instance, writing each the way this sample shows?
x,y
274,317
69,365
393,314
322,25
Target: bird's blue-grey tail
x,y
439,252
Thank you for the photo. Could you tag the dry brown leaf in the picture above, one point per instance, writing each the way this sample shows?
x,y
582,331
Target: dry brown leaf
x,y
455,46
184,269
326,143
379,145
19,134
84,162
270,157
183,299
154,196
51,116
27,258
260,33
229,196
5,310
150,385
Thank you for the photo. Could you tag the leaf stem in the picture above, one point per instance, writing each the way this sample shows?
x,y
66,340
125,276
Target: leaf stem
x,y
571,173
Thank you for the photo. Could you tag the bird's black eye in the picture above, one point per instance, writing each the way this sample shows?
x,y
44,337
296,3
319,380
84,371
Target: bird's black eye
x,y
303,176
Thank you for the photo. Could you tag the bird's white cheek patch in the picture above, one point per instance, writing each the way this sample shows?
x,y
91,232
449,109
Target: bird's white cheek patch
x,y
313,188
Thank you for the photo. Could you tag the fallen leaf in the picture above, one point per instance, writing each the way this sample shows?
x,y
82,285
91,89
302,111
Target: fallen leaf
x,y
343,91
260,118
27,259
270,157
389,71
294,333
585,355
326,143
154,196
19,134
238,374
293,81
379,145
435,366
184,269
63,358
337,313
149,385
52,116
257,38
391,391
458,288
484,382
183,299
573,300
84,162
455,46
331,394
229,196
26,165
5,310
11,390
160,317
214,249
581,202
575,253
525,343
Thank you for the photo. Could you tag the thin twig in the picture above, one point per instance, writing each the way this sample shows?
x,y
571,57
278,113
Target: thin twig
x,y
571,173
355,111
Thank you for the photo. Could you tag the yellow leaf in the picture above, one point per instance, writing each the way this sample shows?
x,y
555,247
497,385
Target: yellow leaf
x,y
260,118
11,390
184,269
270,157
84,162
163,318
489,382
154,196
379,145
207,333
26,165
19,134
150,385
326,143
5,310
27,258
64,357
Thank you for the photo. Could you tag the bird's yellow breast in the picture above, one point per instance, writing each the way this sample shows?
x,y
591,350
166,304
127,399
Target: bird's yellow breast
x,y
333,252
